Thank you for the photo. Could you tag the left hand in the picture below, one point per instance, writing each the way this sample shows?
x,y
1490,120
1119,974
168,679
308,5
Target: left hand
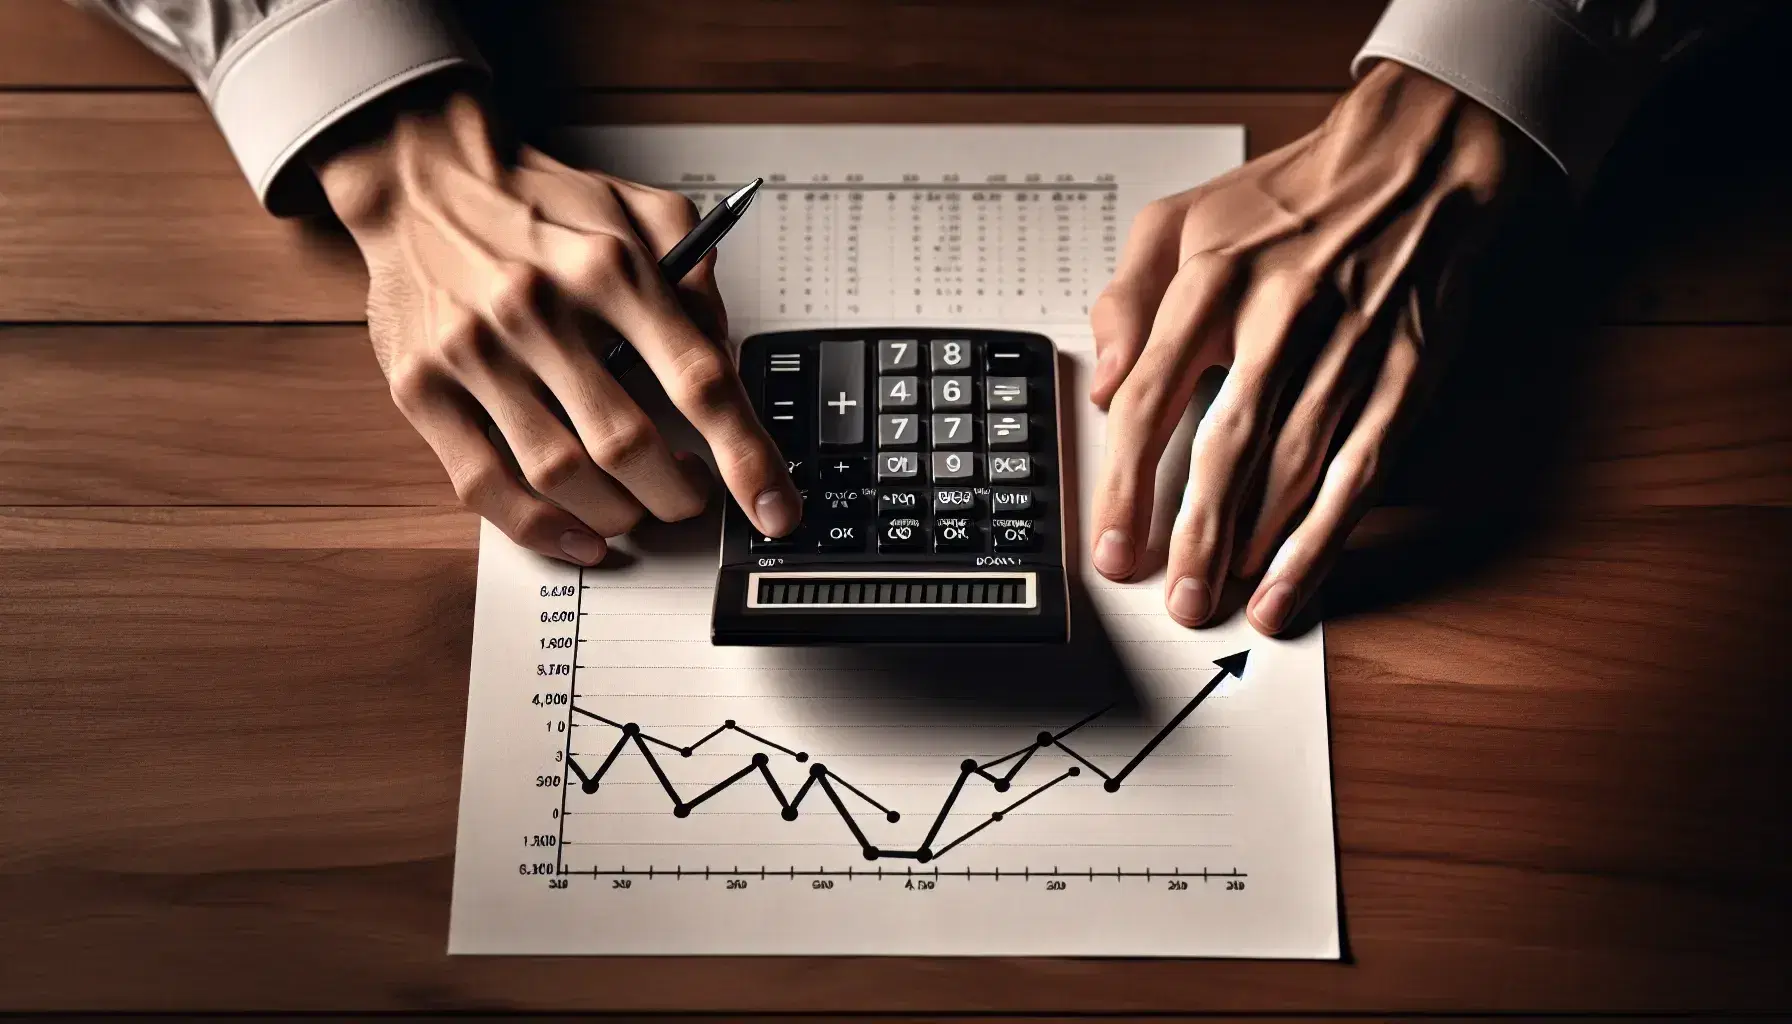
x,y
1317,275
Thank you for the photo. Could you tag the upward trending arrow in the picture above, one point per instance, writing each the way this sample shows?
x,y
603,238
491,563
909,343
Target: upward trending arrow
x,y
1234,663
1230,665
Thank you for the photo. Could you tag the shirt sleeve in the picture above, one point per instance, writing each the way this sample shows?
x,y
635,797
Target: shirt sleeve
x,y
277,73
1568,73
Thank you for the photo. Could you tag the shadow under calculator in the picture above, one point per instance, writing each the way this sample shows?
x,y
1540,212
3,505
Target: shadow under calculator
x,y
996,681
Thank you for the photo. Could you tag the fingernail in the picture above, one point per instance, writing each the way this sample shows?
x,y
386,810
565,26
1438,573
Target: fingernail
x,y
1113,554
778,512
1189,600
583,548
1273,610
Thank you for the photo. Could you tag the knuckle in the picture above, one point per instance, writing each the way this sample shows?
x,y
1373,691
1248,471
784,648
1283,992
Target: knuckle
x,y
625,443
1231,416
1158,214
619,519
476,483
409,381
672,207
556,468
1297,450
514,300
535,523
460,344
603,266
705,379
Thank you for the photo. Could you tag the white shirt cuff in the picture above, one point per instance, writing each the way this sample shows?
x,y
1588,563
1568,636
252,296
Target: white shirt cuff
x,y
1523,59
299,73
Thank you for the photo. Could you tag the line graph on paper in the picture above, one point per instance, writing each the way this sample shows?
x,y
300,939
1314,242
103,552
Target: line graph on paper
x,y
1145,790
624,783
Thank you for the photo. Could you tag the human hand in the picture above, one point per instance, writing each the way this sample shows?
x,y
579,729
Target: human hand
x,y
1323,276
487,284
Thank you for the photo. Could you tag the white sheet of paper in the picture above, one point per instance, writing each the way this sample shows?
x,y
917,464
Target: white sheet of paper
x,y
1218,842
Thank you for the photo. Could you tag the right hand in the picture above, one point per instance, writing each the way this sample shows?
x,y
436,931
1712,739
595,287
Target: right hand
x,y
480,274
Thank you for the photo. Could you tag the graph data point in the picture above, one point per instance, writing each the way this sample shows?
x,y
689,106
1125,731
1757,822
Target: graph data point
x,y
1074,770
1044,740
589,786
923,855
760,760
729,724
802,756
1112,785
684,751
995,816
818,769
789,814
681,811
631,729
1001,785
870,853
968,766
892,817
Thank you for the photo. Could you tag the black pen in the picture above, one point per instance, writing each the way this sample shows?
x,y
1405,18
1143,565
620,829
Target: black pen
x,y
684,257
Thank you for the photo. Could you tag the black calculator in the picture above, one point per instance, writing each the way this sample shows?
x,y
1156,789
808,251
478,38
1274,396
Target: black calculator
x,y
932,497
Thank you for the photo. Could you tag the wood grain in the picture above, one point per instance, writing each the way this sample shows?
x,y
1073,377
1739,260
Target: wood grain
x,y
1561,802
820,44
138,192
1670,415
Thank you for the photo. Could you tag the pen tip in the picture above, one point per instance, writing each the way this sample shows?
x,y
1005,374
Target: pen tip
x,y
743,195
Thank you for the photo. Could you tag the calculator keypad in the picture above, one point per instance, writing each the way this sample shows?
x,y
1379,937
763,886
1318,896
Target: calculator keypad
x,y
914,445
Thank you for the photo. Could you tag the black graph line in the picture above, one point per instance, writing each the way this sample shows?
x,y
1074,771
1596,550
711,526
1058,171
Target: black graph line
x,y
820,775
996,816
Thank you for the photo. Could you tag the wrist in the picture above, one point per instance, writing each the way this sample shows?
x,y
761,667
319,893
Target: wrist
x,y
1424,114
361,164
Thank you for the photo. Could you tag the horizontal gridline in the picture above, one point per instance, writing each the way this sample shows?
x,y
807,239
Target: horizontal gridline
x,y
884,786
897,186
836,846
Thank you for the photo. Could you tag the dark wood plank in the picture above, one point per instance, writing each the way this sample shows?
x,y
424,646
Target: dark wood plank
x,y
300,416
1561,801
822,44
138,192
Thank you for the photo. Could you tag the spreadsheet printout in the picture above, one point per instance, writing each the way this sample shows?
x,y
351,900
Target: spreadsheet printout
x,y
1145,790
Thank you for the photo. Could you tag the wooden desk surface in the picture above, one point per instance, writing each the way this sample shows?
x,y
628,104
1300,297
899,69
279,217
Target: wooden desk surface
x,y
235,596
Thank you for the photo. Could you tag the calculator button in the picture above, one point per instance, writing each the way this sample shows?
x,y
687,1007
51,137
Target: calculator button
x,y
1005,357
783,417
954,533
1007,392
845,471
952,429
799,471
760,542
1009,499
954,466
898,354
841,393
954,501
1009,468
897,392
899,501
1012,534
841,537
951,392
900,533
951,356
1008,430
841,503
898,466
898,431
